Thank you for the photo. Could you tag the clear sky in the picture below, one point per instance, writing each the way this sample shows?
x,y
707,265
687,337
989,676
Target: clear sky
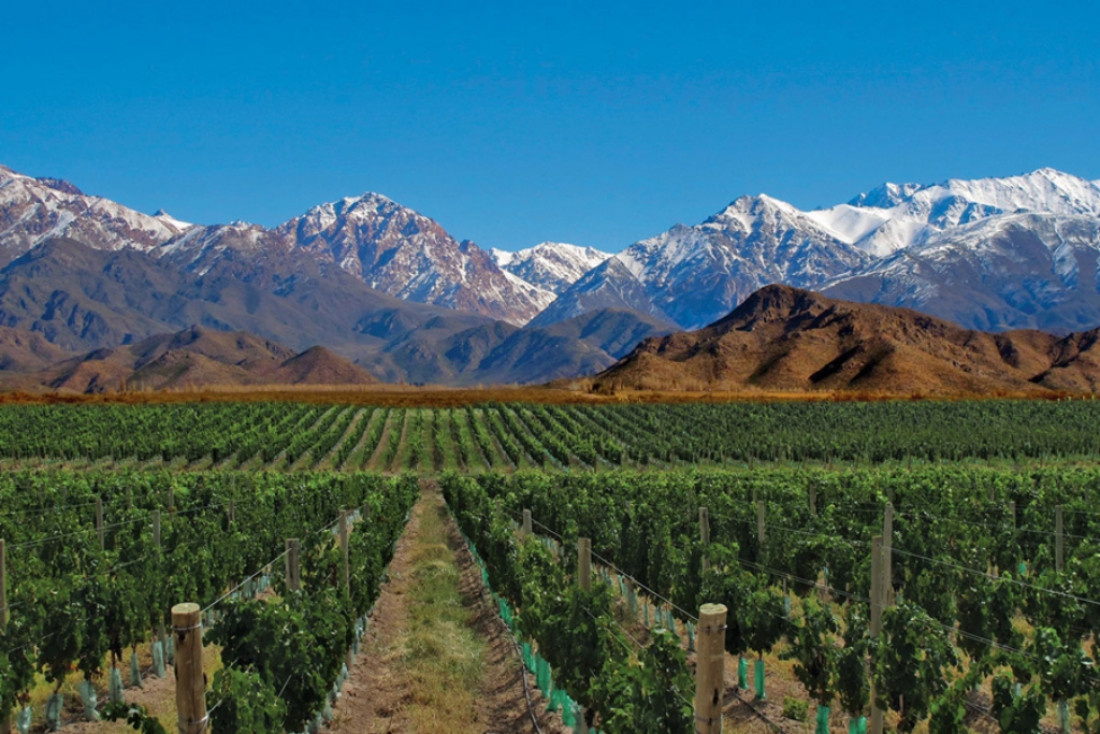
x,y
510,123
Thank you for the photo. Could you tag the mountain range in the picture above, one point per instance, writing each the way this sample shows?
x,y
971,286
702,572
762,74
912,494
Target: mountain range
x,y
389,288
996,253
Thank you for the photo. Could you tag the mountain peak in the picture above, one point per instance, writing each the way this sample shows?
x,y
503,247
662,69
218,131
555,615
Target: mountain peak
x,y
886,195
550,266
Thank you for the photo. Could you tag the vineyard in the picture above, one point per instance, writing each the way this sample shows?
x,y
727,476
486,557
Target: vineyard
x,y
930,567
506,437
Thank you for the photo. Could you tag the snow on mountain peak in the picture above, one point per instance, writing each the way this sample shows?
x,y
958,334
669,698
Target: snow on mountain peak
x,y
551,266
892,217
171,221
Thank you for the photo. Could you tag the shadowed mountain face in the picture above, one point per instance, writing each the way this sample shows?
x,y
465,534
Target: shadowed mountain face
x,y
784,338
76,299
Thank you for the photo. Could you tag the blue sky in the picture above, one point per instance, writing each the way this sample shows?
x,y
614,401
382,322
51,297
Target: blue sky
x,y
512,123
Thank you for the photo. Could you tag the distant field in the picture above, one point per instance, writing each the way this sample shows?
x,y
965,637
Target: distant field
x,y
507,436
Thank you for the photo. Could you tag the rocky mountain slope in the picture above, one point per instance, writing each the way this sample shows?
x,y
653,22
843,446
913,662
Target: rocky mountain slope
x,y
551,266
787,339
63,297
991,253
386,246
33,210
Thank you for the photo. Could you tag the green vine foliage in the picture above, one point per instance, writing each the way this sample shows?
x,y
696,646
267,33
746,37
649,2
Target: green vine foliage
x,y
137,717
16,663
911,659
241,700
652,693
1014,712
815,652
575,630
852,687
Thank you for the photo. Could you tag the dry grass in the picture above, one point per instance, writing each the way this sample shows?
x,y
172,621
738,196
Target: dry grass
x,y
562,393
442,654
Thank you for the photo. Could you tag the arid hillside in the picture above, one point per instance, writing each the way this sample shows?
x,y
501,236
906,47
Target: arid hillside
x,y
787,339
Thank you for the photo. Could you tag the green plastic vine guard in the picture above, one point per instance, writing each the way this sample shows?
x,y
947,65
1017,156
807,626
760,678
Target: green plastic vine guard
x,y
742,673
89,699
135,671
542,676
759,680
691,637
822,720
53,711
158,659
23,721
114,686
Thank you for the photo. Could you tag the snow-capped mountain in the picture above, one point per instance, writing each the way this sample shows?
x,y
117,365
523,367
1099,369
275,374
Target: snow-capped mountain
x,y
923,246
405,254
388,246
896,216
1013,271
33,210
551,266
695,275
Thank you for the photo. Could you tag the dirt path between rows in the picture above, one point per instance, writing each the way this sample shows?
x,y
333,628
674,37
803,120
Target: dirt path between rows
x,y
391,686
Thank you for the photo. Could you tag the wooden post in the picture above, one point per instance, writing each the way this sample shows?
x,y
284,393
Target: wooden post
x,y
99,522
129,497
584,563
344,550
813,499
760,530
888,555
710,658
3,586
190,681
1059,540
293,571
876,621
5,716
527,522
1012,512
232,513
171,498
704,536
162,635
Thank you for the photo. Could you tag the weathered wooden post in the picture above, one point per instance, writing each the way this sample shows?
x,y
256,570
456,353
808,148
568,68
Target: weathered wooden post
x,y
232,510
5,716
293,571
527,522
876,621
1059,540
584,563
162,634
99,522
190,681
344,550
704,537
710,658
761,534
888,554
